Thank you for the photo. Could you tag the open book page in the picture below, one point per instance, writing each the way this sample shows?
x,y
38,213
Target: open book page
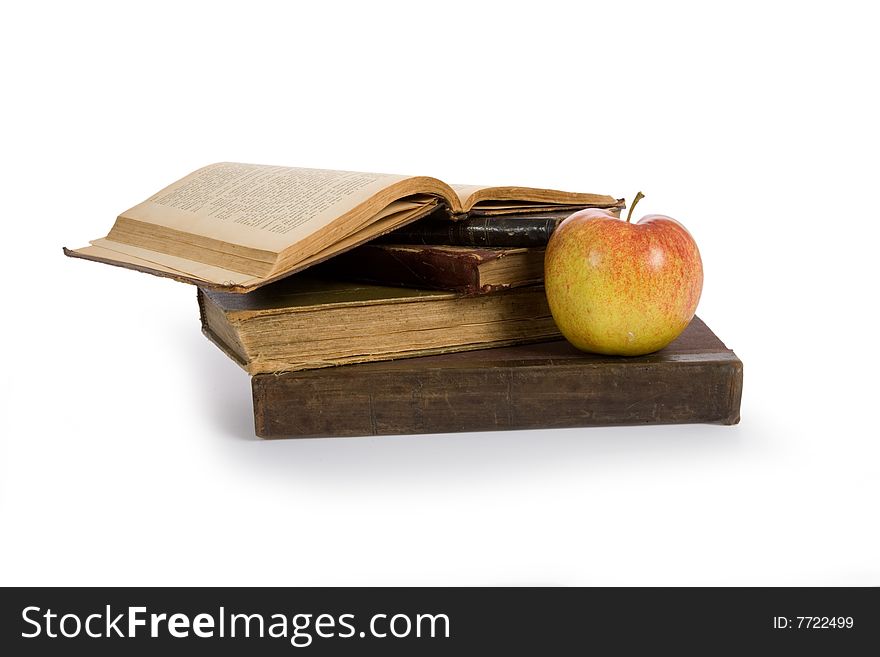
x,y
528,197
260,222
263,207
396,214
465,192
242,225
213,276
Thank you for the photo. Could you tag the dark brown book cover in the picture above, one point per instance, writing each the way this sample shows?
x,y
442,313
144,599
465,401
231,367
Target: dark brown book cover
x,y
456,268
545,385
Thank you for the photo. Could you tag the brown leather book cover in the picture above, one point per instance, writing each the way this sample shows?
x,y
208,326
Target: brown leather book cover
x,y
462,269
545,385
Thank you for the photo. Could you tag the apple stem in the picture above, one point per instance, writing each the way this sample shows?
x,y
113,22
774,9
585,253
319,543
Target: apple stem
x,y
638,198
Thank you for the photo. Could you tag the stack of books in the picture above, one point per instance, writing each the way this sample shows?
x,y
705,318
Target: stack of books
x,y
375,304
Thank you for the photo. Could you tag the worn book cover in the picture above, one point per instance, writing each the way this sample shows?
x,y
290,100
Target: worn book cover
x,y
531,229
457,268
545,385
304,322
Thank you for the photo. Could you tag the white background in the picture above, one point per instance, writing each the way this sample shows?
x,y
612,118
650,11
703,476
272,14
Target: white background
x,y
127,454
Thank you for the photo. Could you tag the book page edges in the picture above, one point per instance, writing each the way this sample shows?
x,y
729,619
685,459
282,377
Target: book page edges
x,y
211,277
209,333
471,195
280,366
257,365
275,367
222,346
316,295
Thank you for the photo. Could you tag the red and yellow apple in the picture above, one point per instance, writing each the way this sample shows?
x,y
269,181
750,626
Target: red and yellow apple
x,y
621,288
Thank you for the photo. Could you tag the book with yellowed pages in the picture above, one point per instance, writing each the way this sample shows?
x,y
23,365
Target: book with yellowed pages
x,y
236,227
303,322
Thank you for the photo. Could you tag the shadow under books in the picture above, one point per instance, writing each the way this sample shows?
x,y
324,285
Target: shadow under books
x,y
227,408
227,403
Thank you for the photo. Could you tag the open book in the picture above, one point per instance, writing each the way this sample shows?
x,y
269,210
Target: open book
x,y
238,226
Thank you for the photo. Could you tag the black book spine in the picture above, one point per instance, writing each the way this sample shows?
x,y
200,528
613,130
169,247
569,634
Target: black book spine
x,y
486,231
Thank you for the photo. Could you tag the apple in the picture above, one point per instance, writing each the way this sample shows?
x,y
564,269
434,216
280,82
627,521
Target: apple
x,y
621,288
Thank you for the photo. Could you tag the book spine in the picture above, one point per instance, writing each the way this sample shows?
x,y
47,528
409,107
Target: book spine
x,y
484,231
200,298
364,402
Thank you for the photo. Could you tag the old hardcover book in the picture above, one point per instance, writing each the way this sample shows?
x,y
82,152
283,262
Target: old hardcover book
x,y
546,385
239,226
304,323
487,231
457,268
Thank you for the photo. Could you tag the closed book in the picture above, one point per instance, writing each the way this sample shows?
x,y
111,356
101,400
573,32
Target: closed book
x,y
458,268
304,322
487,231
534,386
